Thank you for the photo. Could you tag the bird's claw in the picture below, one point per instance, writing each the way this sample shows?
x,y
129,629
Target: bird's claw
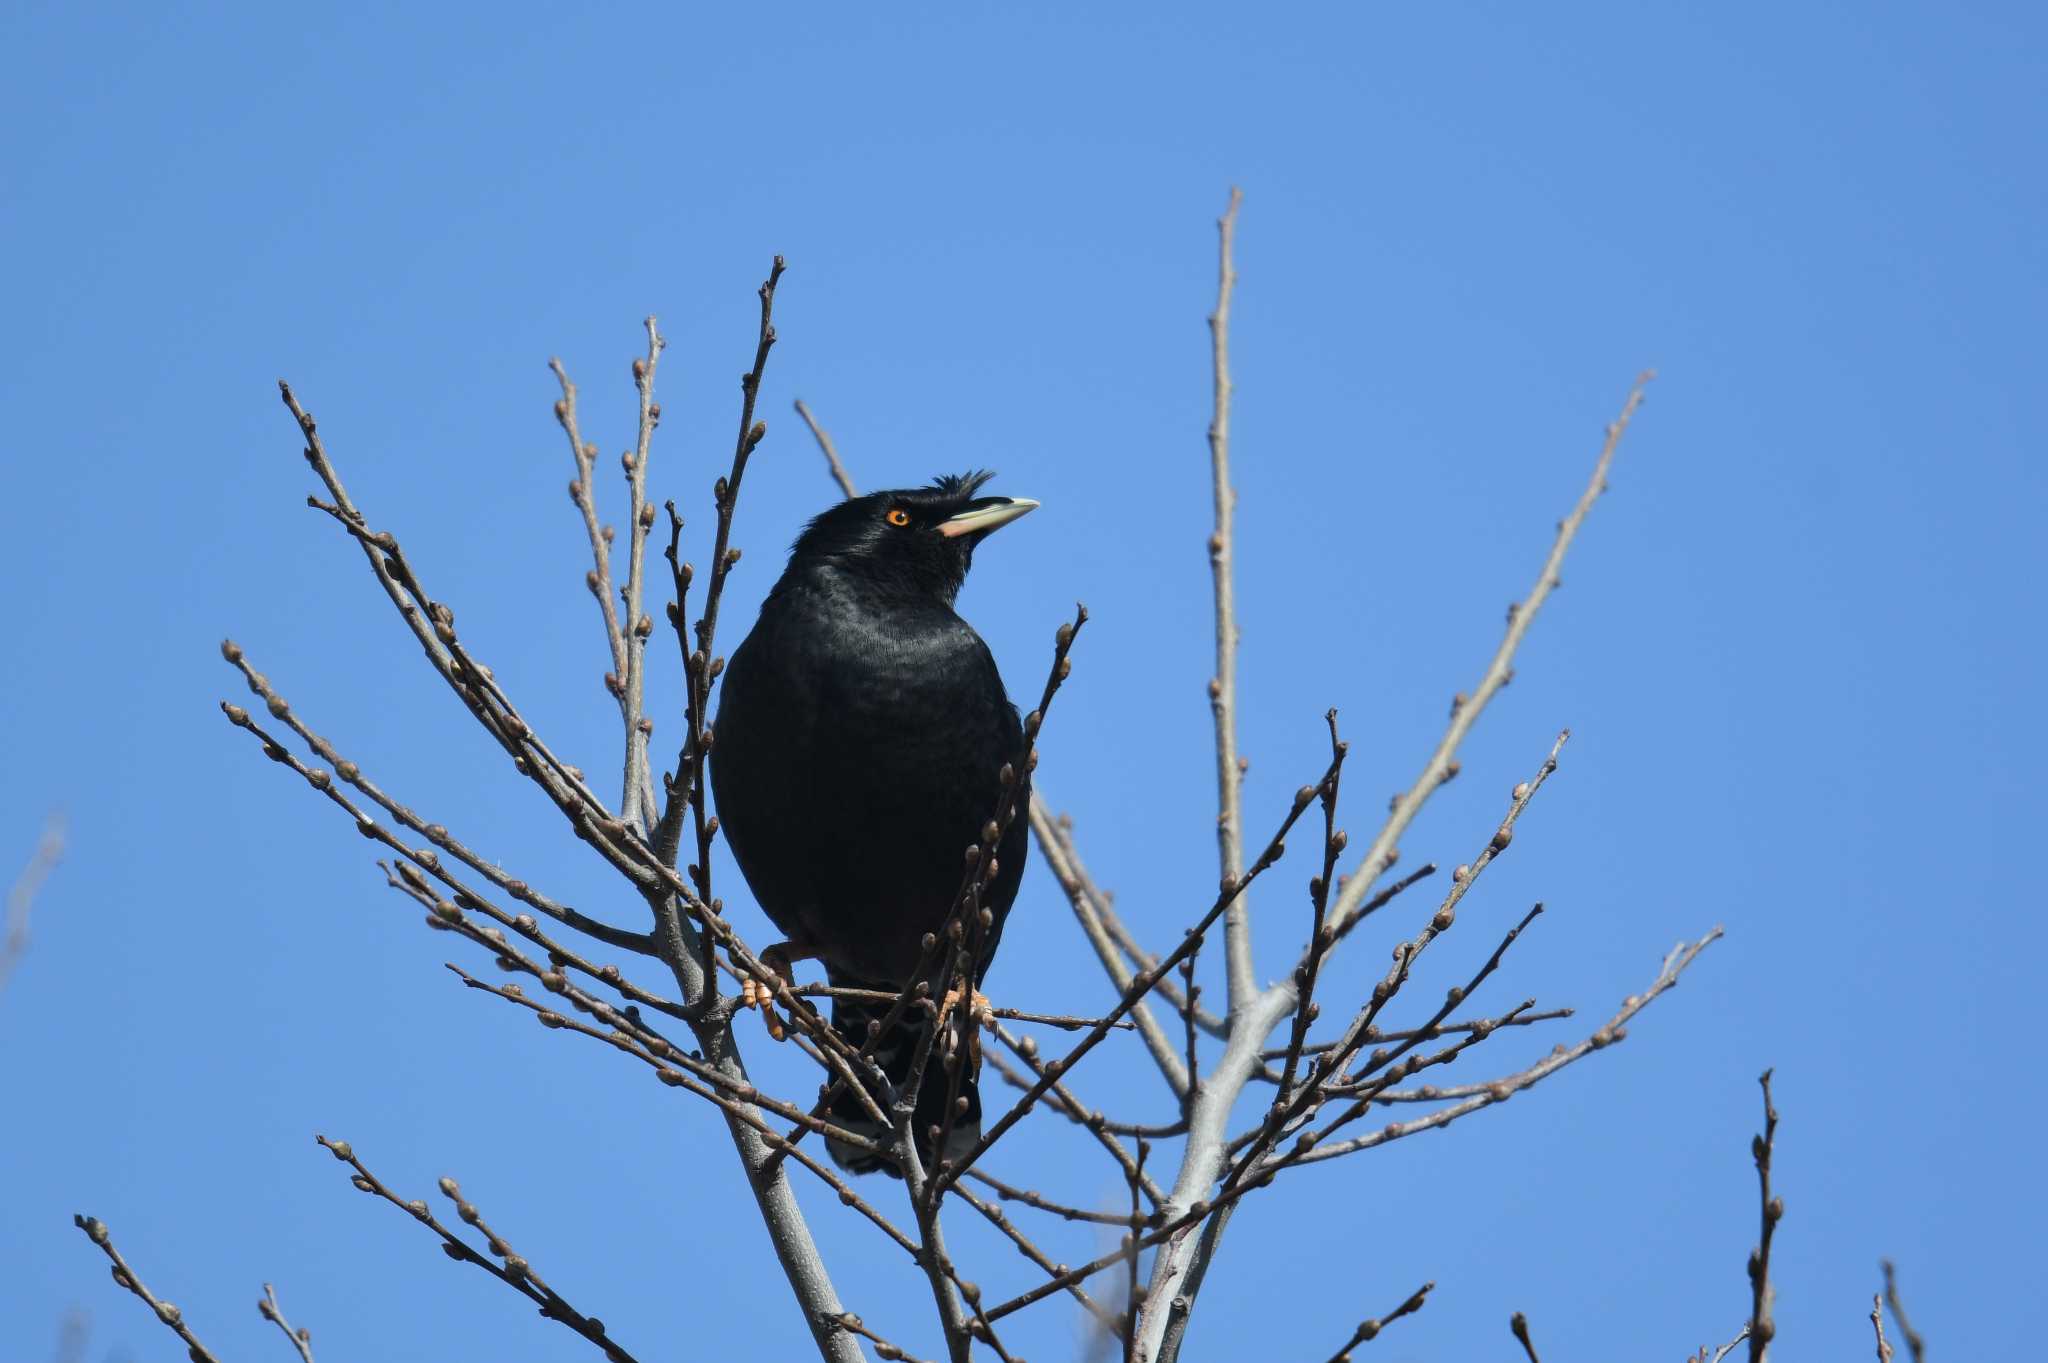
x,y
755,994
978,1009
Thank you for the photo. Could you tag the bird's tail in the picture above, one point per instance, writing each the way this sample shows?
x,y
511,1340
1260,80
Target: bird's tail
x,y
895,1051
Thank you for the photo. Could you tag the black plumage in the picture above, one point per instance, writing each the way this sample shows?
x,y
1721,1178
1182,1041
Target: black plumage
x,y
856,756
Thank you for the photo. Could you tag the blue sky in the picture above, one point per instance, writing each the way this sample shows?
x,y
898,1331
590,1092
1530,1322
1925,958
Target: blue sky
x,y
1793,643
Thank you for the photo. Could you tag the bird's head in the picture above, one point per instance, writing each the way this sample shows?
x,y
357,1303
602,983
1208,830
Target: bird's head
x,y
919,539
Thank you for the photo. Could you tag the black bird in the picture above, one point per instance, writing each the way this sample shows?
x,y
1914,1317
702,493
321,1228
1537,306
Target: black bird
x,y
856,756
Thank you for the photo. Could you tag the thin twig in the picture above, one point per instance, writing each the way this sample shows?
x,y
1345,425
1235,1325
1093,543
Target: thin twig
x,y
1915,1345
740,1101
1178,1270
1761,1327
1130,1237
1520,1019
1288,1108
680,915
1465,712
583,492
426,858
1726,1349
1507,1086
1339,1081
1103,907
637,801
172,1318
511,1268
839,474
1377,1088
1031,1198
612,837
301,1338
1237,930
848,1321
1884,1349
931,1254
1369,1330
997,1218
1093,912
1319,942
703,666
1140,986
1063,1099
433,626
1062,1102
1518,1324
1064,1021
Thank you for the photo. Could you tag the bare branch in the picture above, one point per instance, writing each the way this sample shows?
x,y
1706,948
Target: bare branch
x,y
433,626
1518,1324
1223,685
1761,1327
1103,907
22,896
1056,847
851,1323
1031,1198
1135,1179
1319,897
1338,1081
1288,1108
1520,1019
1884,1349
1141,986
301,1338
739,1100
702,665
931,1255
1001,1221
1184,1224
1722,1352
675,905
1369,1330
637,801
839,474
1093,1122
1915,1345
1441,765
437,834
583,492
511,1268
124,1276
1066,1022
1506,1087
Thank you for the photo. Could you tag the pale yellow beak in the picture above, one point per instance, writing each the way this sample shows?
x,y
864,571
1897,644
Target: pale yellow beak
x,y
983,519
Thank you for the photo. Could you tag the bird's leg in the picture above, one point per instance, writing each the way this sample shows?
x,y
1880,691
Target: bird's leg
x,y
754,994
977,1008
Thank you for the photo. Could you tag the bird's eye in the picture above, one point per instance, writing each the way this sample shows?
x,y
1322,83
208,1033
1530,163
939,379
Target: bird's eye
x,y
898,516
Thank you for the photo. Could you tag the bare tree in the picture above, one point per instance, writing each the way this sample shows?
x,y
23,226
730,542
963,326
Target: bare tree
x,y
1264,1089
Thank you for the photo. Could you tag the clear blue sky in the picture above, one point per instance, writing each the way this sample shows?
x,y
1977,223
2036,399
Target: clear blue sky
x,y
1797,644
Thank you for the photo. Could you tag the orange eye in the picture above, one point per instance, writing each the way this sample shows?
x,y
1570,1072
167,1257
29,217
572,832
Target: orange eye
x,y
898,516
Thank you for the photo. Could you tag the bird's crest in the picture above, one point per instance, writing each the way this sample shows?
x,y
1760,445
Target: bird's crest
x,y
961,485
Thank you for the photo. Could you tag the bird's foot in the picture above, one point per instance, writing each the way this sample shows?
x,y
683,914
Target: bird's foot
x,y
977,1008
756,994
